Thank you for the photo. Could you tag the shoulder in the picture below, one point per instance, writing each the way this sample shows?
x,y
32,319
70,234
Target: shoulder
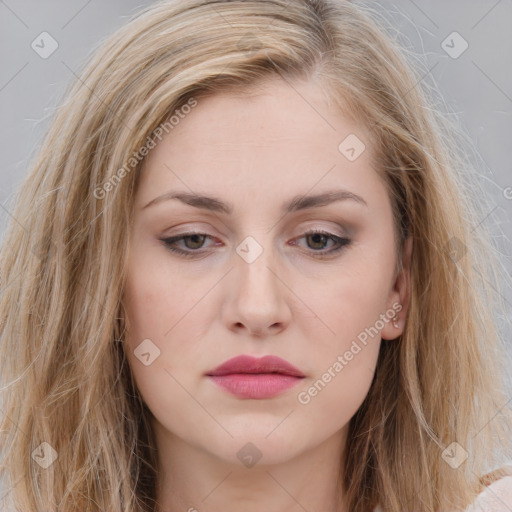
x,y
496,497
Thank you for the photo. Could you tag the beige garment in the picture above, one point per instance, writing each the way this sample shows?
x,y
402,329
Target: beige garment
x,y
496,497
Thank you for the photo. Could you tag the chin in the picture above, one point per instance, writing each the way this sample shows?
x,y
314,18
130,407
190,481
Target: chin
x,y
255,447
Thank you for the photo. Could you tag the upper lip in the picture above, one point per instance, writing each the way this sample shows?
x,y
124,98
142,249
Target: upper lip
x,y
249,364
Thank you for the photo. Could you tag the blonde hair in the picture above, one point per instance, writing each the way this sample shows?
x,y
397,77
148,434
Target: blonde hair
x,y
65,378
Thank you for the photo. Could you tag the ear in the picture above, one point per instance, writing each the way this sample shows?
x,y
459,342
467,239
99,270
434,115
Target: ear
x,y
399,297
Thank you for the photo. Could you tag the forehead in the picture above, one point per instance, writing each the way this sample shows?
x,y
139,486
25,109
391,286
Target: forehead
x,y
274,110
270,140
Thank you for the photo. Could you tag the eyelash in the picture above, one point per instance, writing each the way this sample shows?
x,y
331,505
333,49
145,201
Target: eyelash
x,y
342,243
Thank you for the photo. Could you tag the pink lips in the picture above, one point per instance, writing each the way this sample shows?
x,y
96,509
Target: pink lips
x,y
250,377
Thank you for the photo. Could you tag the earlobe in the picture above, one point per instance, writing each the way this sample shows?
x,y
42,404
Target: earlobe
x,y
400,295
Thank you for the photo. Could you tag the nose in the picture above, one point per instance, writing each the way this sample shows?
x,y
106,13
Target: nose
x,y
257,303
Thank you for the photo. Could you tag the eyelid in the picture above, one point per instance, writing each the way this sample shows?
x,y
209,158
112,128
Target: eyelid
x,y
187,234
341,241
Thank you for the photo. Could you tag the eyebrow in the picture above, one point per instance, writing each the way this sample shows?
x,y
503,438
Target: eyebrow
x,y
296,203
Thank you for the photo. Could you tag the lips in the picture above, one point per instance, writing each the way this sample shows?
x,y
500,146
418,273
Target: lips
x,y
256,378
253,365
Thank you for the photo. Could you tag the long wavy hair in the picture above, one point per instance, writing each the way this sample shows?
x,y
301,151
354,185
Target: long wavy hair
x,y
65,378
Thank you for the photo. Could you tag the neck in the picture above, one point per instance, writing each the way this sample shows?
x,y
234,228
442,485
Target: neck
x,y
194,480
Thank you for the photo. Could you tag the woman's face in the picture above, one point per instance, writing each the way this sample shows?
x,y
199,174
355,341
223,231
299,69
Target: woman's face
x,y
243,276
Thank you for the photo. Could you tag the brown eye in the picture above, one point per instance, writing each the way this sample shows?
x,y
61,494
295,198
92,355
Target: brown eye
x,y
316,241
196,241
191,243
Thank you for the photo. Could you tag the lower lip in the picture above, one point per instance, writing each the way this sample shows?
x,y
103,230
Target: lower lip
x,y
257,385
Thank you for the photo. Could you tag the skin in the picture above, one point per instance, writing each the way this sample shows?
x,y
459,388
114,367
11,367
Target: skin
x,y
257,152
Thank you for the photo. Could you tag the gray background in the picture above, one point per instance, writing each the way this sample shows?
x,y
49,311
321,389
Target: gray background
x,y
476,87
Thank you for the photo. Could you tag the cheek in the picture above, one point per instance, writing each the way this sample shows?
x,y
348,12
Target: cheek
x,y
333,398
158,298
145,305
344,360
346,303
167,313
155,342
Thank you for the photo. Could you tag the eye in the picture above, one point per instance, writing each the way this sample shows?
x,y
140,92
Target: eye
x,y
317,239
193,242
